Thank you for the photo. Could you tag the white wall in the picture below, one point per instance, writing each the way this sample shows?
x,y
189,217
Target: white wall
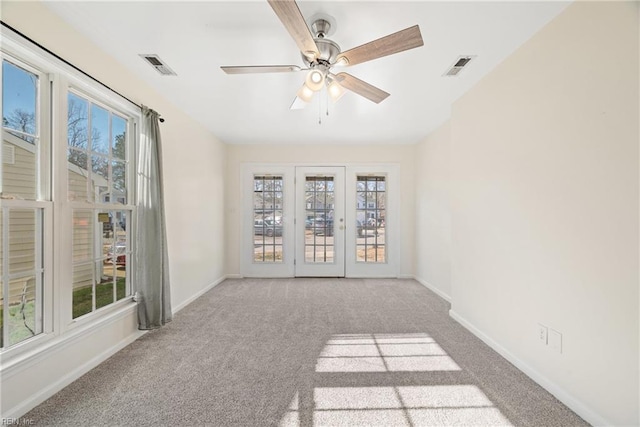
x,y
433,213
544,205
194,185
319,155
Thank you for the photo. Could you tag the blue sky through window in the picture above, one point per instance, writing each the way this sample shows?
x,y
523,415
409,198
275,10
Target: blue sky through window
x,y
19,94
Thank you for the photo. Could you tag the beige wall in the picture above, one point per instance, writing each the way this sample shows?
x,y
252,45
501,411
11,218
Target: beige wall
x,y
544,204
193,157
194,164
433,213
319,155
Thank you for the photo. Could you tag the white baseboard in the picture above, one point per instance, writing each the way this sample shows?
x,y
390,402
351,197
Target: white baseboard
x,y
433,289
234,276
405,276
198,295
33,401
562,395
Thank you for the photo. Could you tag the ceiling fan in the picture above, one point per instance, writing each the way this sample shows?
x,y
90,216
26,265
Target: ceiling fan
x,y
321,54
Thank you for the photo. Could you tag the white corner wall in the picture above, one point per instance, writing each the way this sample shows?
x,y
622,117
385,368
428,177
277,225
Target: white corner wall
x,y
433,212
194,165
544,208
320,155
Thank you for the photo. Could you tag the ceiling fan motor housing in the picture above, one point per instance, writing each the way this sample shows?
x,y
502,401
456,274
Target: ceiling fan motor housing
x,y
329,51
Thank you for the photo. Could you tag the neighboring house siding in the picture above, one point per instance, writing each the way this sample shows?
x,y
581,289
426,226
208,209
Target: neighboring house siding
x,y
19,177
19,181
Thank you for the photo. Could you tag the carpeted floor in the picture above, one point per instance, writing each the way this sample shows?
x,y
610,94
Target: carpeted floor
x,y
267,352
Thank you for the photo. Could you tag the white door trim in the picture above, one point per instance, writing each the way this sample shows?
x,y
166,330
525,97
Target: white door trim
x,y
248,268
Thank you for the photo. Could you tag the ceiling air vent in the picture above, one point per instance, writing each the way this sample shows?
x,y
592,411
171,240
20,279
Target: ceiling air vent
x,y
158,64
457,66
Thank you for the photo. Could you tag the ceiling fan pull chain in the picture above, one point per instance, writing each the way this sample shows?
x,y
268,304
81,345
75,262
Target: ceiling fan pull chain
x,y
320,110
326,99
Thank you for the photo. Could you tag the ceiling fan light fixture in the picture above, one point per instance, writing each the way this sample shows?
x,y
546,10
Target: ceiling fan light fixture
x,y
336,91
315,80
305,93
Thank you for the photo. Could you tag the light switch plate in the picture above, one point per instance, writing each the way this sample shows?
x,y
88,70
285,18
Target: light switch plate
x,y
555,341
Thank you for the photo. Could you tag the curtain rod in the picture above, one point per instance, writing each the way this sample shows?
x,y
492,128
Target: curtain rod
x,y
4,24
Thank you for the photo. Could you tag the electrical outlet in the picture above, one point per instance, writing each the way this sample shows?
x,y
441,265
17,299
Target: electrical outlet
x,y
542,333
555,341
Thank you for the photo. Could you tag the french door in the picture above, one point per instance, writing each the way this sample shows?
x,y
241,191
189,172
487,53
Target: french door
x,y
320,222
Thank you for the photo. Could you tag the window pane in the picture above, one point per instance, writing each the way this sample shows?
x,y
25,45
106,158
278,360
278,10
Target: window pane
x,y
118,132
19,140
19,168
119,190
99,130
82,289
19,101
100,179
22,304
267,224
83,232
105,285
370,219
101,276
22,309
319,199
78,122
77,174
22,240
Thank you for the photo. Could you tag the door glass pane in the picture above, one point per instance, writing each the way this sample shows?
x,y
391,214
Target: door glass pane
x,y
370,219
268,227
319,226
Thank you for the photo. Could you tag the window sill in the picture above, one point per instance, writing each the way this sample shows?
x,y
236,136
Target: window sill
x,y
24,355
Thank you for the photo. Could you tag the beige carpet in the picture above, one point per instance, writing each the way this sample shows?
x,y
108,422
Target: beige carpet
x,y
267,352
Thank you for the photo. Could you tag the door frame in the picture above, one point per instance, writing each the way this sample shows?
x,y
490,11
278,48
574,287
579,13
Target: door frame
x,y
248,267
389,268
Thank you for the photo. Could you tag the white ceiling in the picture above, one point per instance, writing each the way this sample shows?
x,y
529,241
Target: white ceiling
x,y
196,38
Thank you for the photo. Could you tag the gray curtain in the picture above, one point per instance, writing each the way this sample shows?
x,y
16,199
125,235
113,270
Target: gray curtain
x,y
152,267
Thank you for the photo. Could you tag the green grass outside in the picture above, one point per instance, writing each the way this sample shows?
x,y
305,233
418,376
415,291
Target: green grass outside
x,y
81,305
17,329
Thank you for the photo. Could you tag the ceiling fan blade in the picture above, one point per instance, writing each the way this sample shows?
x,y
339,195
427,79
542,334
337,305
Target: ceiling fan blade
x,y
293,21
362,88
298,104
406,39
254,69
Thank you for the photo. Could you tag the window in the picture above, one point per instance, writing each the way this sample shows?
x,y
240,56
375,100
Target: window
x,y
80,227
267,224
23,204
370,219
98,167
